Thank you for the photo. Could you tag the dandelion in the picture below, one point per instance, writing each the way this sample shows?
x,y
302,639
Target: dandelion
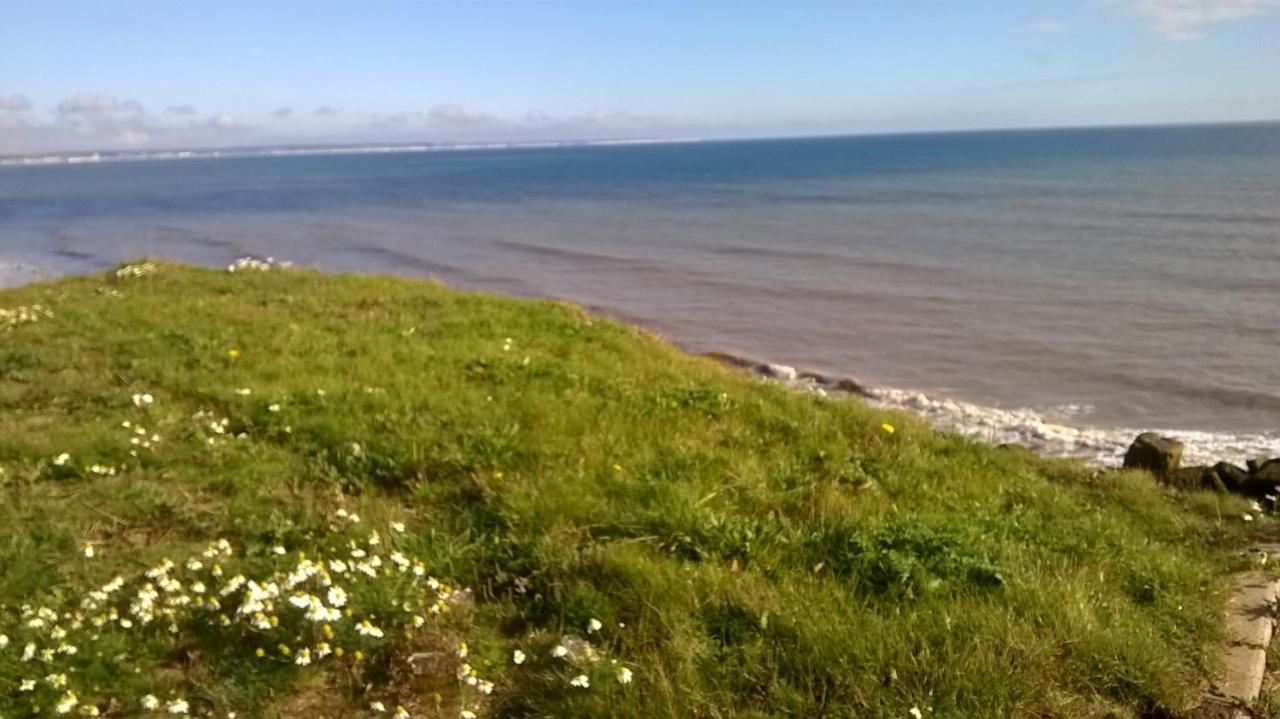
x,y
888,428
150,702
581,681
594,625
624,675
518,657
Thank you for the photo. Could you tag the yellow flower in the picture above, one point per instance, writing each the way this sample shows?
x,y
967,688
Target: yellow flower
x,y
260,652
888,428
359,655
617,468
233,353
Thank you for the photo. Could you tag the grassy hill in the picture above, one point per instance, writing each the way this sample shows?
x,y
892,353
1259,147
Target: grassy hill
x,y
307,494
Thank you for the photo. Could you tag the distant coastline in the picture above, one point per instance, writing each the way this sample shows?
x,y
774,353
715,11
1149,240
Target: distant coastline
x,y
93,157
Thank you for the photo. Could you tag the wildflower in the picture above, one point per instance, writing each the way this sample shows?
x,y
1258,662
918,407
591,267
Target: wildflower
x,y
303,658
594,625
624,675
244,391
915,712
559,651
61,459
1247,517
463,650
1254,506
617,468
398,527
401,713
367,629
142,399
337,596
88,550
177,706
27,685
888,428
485,687
467,714
260,652
273,408
377,707
581,681
4,641
66,703
150,702
518,657
233,353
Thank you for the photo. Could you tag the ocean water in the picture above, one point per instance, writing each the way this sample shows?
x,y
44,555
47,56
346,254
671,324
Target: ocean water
x,y
1063,288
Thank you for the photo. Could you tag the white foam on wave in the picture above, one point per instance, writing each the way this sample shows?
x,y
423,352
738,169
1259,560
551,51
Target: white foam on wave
x,y
1098,446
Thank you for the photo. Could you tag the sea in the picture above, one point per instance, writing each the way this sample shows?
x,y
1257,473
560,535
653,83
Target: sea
x,y
1062,289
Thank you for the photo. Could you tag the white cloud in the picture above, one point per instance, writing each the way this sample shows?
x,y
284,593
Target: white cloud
x,y
14,104
458,114
98,121
1183,20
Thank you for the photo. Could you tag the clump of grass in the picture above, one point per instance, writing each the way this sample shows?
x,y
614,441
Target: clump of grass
x,y
652,534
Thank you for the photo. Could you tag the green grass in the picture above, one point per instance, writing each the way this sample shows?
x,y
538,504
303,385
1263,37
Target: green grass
x,y
750,551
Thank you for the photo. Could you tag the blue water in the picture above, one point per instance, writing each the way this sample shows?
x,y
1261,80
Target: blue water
x,y
1102,279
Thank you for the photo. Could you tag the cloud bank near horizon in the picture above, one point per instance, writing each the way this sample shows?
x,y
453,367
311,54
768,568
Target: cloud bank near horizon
x,y
99,121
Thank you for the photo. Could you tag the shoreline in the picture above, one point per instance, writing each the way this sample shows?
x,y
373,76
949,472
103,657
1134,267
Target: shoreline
x,y
1028,427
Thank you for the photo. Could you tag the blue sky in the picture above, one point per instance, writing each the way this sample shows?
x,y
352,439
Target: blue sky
x,y
123,73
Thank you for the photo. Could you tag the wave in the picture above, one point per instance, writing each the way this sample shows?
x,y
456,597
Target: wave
x,y
1095,445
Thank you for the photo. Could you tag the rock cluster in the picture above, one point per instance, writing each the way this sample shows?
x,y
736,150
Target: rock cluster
x,y
803,380
1162,456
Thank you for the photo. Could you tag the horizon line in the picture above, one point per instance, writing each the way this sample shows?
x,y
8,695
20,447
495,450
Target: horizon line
x,y
304,149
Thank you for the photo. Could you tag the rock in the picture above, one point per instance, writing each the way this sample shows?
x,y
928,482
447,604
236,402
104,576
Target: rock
x,y
1231,476
850,385
783,372
1150,451
1268,471
1193,478
1259,488
1253,465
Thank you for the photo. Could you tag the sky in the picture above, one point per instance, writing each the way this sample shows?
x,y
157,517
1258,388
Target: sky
x,y
124,74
